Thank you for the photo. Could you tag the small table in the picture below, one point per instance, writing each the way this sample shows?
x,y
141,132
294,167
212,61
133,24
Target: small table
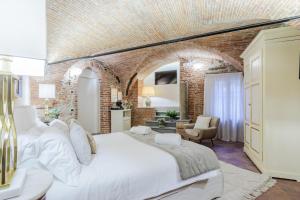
x,y
36,185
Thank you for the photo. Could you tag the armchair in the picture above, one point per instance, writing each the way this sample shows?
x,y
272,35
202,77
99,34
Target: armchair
x,y
188,132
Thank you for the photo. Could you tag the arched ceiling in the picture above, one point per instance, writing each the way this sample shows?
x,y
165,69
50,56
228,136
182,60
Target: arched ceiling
x,y
86,27
228,47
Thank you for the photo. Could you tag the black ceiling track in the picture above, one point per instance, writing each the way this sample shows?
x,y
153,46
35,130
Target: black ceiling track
x,y
239,28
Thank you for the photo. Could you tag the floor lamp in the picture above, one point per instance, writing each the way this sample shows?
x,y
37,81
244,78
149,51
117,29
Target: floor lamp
x,y
8,139
23,51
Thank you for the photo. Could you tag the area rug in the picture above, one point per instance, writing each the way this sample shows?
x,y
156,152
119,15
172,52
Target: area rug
x,y
239,184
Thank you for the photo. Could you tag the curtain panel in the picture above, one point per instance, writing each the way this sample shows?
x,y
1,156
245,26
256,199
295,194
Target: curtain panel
x,y
224,98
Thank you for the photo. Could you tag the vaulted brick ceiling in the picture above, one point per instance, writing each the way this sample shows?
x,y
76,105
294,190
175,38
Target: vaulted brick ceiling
x,y
86,27
227,47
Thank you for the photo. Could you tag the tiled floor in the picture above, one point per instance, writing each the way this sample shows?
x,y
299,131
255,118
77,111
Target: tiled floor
x,y
233,153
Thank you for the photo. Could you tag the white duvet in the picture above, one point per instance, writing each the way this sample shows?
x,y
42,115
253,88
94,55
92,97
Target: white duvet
x,y
124,169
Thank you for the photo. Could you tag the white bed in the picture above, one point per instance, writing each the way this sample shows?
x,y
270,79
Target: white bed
x,y
127,169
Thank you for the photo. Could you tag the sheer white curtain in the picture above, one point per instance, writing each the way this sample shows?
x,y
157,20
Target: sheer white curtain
x,y
223,97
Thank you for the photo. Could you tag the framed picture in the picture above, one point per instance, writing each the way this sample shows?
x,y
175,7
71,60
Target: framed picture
x,y
18,87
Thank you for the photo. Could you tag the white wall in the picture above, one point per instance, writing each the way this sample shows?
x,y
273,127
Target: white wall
x,y
165,95
88,101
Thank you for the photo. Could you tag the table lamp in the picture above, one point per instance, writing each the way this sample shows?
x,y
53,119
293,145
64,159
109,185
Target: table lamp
x,y
46,92
148,92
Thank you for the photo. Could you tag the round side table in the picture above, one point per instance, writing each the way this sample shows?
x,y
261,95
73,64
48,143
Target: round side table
x,y
36,185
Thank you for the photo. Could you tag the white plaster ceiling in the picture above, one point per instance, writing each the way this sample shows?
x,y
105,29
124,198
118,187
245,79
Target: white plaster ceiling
x,y
86,27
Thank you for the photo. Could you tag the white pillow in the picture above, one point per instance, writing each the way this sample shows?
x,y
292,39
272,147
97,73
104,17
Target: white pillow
x,y
168,138
58,156
27,148
80,143
25,118
202,122
143,130
61,125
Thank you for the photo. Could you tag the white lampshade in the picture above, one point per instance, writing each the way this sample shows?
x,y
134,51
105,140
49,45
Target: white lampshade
x,y
5,65
23,28
148,91
46,91
23,36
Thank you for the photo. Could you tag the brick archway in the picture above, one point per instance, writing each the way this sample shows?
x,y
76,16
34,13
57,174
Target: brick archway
x,y
192,76
180,52
106,80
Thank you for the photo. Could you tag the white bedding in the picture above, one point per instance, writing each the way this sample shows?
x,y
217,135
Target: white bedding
x,y
124,168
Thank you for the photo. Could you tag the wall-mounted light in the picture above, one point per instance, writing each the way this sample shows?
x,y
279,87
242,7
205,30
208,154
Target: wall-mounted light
x,y
198,65
72,74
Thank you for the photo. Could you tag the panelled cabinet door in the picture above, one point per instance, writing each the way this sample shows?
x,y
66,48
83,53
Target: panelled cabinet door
x,y
247,73
247,133
255,65
247,104
256,142
256,90
256,105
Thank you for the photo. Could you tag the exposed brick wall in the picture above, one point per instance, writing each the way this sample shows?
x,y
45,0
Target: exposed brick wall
x,y
141,115
195,81
66,91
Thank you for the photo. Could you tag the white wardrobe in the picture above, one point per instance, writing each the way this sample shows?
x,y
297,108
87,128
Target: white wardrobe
x,y
272,102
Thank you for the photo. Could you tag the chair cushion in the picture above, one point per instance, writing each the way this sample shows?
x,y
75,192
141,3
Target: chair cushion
x,y
192,132
202,122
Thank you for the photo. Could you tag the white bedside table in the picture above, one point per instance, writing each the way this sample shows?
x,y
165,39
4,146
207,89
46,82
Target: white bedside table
x,y
36,185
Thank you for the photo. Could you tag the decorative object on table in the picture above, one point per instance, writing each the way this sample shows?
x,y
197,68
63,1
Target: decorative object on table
x,y
127,104
54,113
161,123
46,91
119,104
148,92
172,114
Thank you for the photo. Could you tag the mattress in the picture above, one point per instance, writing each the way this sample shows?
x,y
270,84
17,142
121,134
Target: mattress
x,y
127,169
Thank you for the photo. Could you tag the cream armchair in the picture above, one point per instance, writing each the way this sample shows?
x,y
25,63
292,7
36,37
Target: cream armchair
x,y
188,132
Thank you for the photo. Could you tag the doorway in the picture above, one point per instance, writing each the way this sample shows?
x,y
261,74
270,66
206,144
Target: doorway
x,y
89,101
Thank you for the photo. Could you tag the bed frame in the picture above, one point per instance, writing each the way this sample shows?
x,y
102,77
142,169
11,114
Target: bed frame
x,y
211,186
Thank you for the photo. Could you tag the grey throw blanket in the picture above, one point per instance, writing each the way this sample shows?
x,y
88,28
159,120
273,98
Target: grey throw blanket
x,y
192,159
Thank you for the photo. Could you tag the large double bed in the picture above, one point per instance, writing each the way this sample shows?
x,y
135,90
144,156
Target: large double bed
x,y
125,168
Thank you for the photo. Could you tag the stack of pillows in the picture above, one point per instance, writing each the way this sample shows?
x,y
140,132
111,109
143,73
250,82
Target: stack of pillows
x,y
60,148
